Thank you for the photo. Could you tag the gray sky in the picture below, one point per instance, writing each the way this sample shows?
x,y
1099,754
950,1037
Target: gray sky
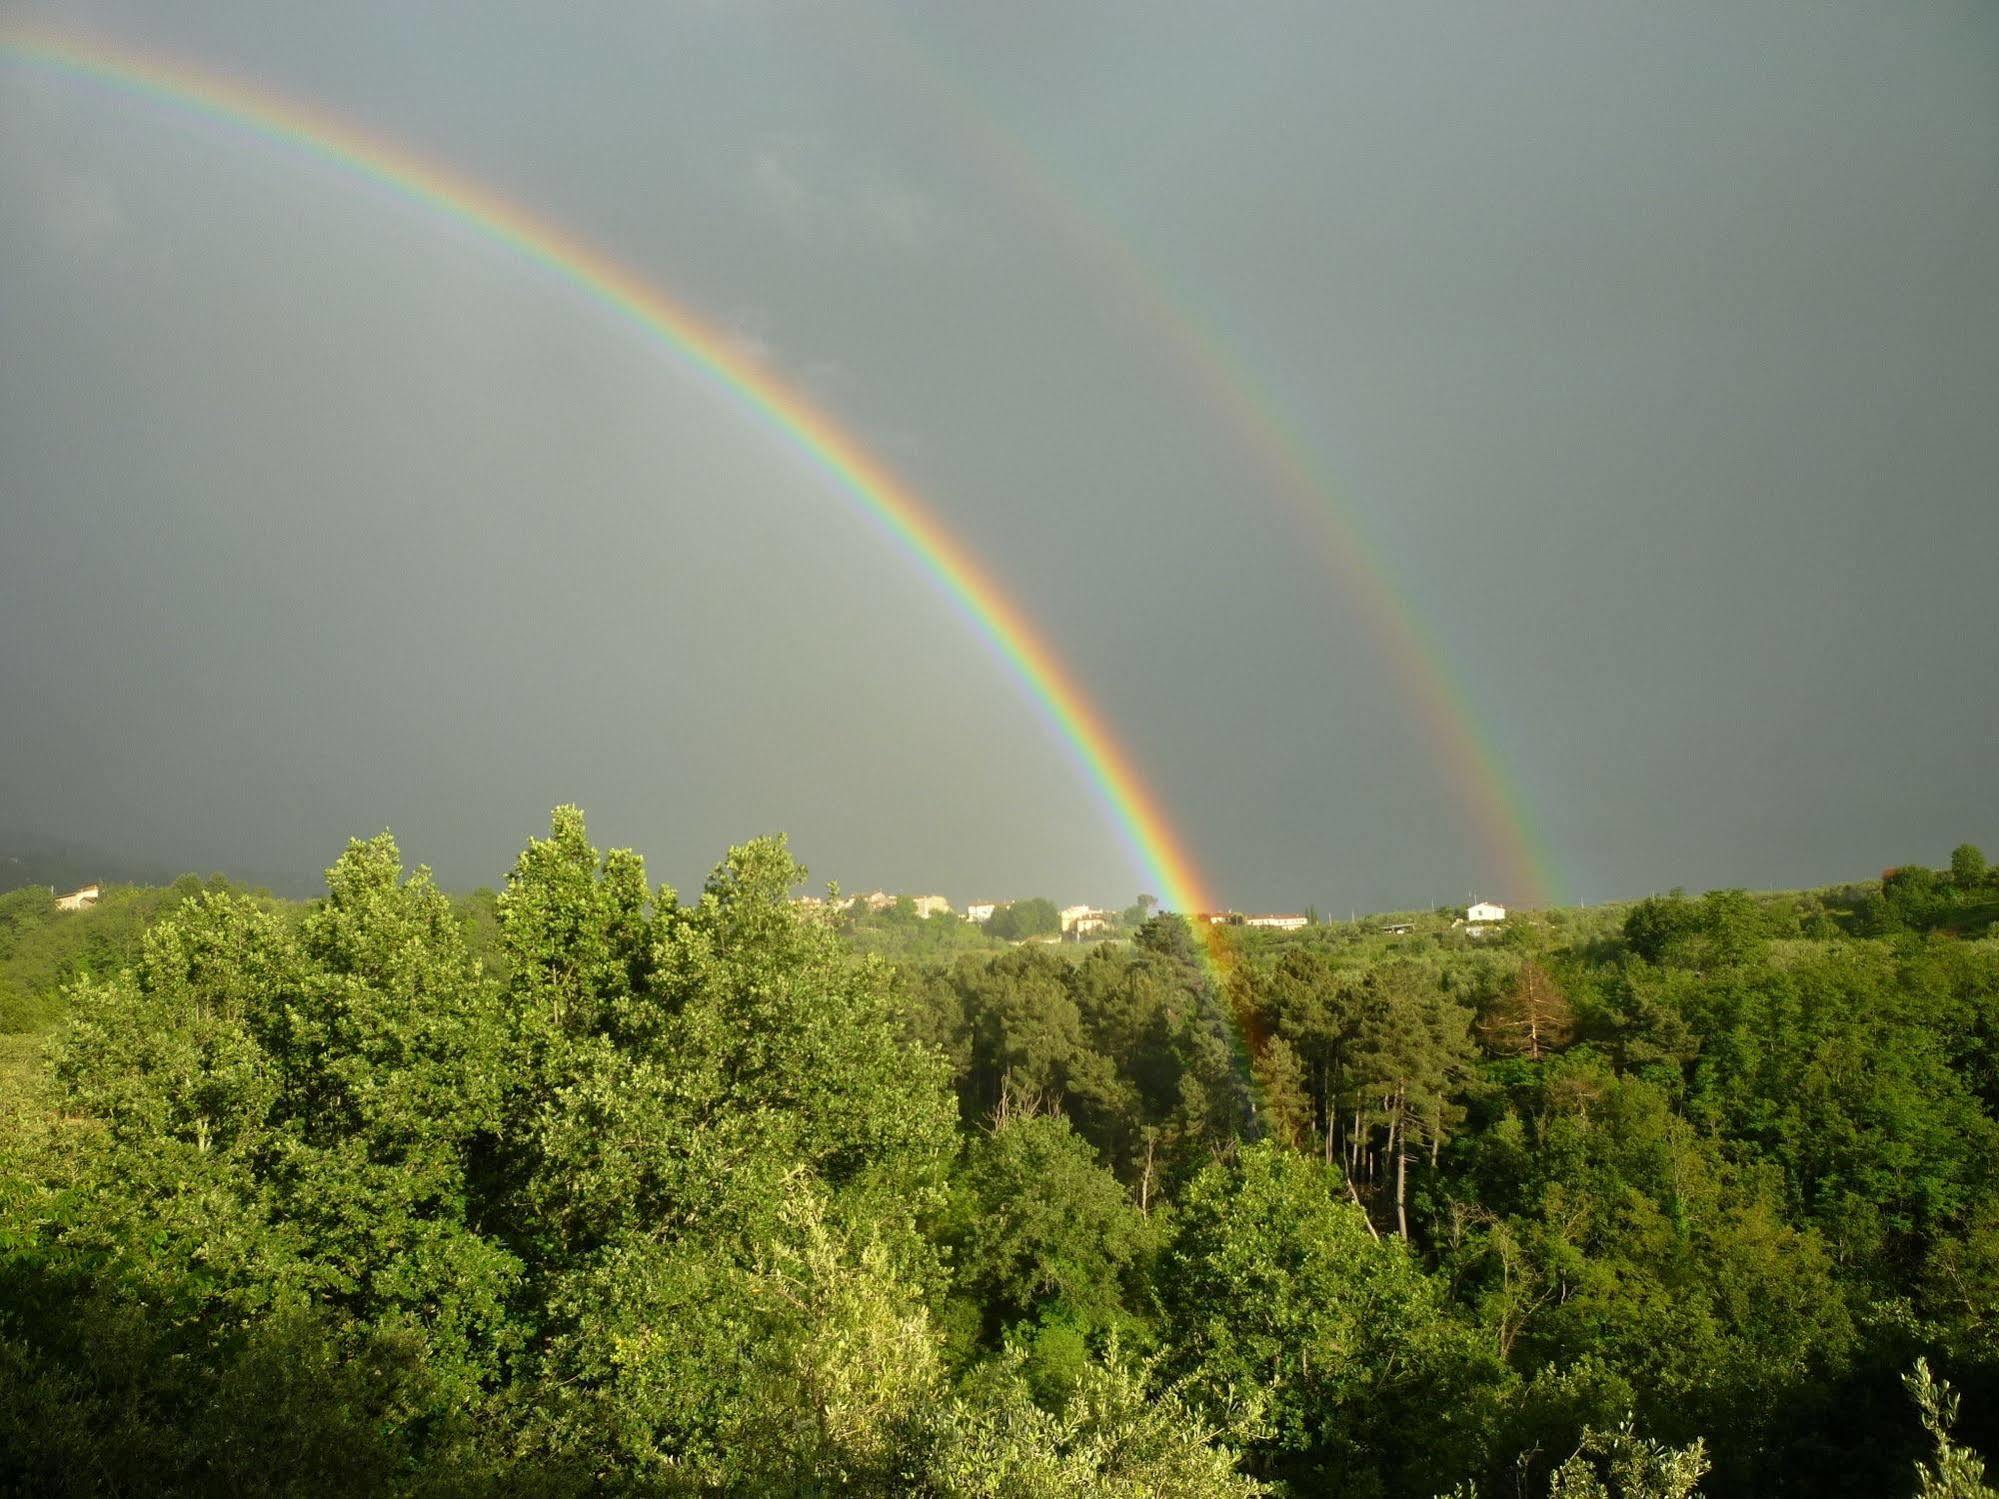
x,y
1654,351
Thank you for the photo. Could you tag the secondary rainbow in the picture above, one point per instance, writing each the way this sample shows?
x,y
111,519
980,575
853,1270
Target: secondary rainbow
x,y
1133,808
1221,383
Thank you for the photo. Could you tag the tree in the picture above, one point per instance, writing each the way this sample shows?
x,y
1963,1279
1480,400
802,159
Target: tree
x,y
1912,896
1288,1314
590,1187
1285,1106
754,1062
1413,1059
654,1207
1655,923
1023,919
1304,1001
1957,1472
1531,1017
1967,867
1034,1218
1170,936
1025,1032
1620,1464
1118,1435
298,1116
804,1358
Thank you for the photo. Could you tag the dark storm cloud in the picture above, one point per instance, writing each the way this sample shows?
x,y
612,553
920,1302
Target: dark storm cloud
x,y
1653,351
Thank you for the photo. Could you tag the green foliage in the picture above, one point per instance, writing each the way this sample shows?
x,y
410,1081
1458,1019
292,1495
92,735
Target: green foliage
x,y
650,1208
1035,1220
1129,1045
1022,919
1723,927
1955,1472
293,1113
1961,898
43,949
1116,1435
1620,1464
898,933
1315,1337
585,1187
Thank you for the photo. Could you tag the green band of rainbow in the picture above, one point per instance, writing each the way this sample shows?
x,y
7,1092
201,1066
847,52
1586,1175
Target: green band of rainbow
x,y
1108,769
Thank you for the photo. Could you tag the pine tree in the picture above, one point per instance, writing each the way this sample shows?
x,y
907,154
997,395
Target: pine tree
x,y
1531,1018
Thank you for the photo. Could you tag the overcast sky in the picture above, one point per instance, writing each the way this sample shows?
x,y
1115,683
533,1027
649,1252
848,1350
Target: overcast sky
x,y
1651,351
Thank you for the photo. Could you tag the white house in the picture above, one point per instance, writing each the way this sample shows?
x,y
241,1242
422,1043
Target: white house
x,y
76,900
1088,923
1285,922
981,911
932,905
1073,914
1484,913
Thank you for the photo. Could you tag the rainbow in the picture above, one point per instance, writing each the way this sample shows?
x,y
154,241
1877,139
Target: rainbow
x,y
1149,838
1221,383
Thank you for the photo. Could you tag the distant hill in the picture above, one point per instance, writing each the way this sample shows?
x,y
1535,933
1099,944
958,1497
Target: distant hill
x,y
38,859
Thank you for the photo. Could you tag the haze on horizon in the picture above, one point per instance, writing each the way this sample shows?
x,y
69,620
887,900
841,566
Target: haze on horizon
x,y
1655,352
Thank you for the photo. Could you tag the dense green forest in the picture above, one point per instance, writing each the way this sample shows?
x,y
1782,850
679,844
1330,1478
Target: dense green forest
x,y
589,1186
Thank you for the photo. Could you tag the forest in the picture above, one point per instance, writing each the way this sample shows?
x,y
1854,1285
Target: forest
x,y
587,1185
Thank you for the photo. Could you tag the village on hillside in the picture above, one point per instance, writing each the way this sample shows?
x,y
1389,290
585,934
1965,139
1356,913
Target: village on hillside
x,y
1079,923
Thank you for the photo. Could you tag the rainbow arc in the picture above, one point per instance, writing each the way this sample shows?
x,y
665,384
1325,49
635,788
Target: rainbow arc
x,y
863,479
1224,387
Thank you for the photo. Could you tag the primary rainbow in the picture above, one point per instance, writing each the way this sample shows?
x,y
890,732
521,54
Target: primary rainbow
x,y
1109,770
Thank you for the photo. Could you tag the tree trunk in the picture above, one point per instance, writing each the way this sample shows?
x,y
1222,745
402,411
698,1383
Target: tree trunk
x,y
1365,1217
1323,1102
1400,1145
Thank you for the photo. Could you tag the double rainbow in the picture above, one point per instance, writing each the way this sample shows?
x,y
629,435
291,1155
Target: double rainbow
x,y
1227,391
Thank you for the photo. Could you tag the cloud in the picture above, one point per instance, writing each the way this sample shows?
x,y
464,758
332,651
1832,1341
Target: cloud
x,y
750,330
752,333
76,208
80,212
828,202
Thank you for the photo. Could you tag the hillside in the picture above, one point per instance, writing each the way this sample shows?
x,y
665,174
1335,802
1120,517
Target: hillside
x,y
35,859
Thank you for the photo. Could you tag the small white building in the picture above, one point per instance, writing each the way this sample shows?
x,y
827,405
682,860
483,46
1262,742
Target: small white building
x,y
981,911
76,900
1283,922
1091,923
932,905
1073,914
1484,913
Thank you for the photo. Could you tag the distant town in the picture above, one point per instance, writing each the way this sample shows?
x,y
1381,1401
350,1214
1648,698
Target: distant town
x,y
1084,922
1075,923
